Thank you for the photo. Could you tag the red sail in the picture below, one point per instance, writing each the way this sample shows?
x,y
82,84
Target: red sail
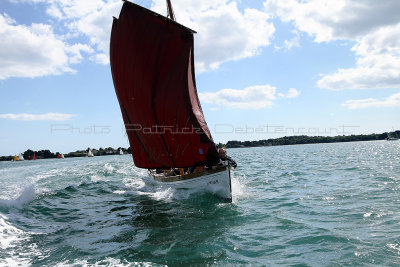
x,y
152,64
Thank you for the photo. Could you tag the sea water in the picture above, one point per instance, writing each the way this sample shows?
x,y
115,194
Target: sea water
x,y
304,205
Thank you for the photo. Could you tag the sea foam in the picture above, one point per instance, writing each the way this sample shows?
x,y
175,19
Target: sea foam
x,y
26,195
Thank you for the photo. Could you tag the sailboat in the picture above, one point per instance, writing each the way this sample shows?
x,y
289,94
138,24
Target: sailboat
x,y
20,157
34,156
390,137
152,65
120,151
90,153
16,158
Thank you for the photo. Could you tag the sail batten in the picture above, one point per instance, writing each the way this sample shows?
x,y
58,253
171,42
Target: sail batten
x,y
152,65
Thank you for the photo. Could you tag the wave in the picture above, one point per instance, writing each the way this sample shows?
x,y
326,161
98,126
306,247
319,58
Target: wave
x,y
8,233
105,262
26,195
11,239
239,187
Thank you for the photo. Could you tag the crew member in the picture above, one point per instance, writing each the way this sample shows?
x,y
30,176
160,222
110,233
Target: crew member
x,y
224,157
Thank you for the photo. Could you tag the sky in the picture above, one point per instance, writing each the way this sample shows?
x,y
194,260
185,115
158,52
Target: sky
x,y
264,69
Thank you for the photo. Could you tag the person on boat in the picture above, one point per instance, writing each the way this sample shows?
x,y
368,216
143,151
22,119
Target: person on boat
x,y
224,157
212,159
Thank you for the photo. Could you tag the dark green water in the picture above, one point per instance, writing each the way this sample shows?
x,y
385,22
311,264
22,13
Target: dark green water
x,y
305,205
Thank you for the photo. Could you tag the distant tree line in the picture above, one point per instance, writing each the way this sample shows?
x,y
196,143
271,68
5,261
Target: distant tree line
x,y
47,154
304,139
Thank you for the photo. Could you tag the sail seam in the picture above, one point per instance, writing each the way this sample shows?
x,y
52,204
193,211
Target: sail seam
x,y
138,138
153,89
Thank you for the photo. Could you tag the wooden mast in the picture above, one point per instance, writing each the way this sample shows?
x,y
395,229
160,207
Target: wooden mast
x,y
170,10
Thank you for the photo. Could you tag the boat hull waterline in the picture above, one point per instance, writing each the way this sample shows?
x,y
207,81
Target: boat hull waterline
x,y
217,182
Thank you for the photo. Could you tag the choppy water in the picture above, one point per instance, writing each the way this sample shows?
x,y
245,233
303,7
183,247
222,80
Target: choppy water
x,y
305,205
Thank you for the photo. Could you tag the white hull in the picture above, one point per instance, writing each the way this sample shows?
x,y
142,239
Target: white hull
x,y
216,182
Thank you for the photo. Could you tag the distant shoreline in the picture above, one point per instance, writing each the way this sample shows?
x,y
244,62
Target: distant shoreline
x,y
47,154
304,139
281,141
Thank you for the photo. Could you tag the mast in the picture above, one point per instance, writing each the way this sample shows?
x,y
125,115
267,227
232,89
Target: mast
x,y
170,10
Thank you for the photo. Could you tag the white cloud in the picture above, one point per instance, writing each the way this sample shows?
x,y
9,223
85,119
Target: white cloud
x,y
329,20
254,97
90,18
38,117
391,101
62,9
374,26
290,44
34,51
378,63
93,20
224,32
292,93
